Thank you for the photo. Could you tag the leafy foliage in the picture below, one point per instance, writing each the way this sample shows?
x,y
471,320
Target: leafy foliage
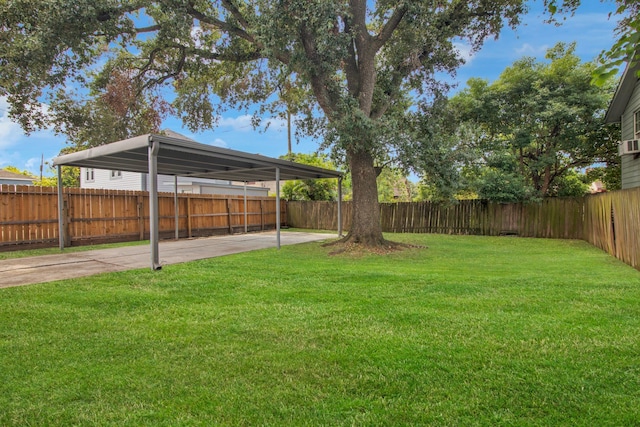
x,y
18,171
393,186
353,63
533,127
70,178
628,30
311,189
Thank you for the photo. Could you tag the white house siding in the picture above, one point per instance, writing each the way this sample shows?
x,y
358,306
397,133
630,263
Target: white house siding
x,y
630,166
235,190
102,179
140,182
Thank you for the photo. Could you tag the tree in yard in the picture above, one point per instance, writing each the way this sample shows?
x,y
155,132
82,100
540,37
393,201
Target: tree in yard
x,y
533,126
357,60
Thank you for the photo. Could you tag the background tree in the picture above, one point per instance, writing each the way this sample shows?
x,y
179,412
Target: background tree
x,y
70,178
394,186
358,59
533,126
311,189
116,108
14,169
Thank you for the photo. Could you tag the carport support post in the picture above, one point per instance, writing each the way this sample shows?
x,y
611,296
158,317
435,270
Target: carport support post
x,y
278,206
245,207
60,210
175,203
154,147
340,207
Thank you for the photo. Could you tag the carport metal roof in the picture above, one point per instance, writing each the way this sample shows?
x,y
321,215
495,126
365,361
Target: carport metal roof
x,y
159,154
181,157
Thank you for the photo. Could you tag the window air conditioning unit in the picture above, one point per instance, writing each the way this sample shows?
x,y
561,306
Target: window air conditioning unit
x,y
630,146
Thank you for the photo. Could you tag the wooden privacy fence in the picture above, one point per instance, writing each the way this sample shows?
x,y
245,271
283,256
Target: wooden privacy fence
x,y
553,218
610,221
29,215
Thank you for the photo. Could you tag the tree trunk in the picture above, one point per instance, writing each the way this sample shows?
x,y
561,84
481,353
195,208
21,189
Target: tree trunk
x,y
365,221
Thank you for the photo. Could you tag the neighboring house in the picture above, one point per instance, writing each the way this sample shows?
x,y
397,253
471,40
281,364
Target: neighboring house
x,y
123,180
597,187
625,109
7,177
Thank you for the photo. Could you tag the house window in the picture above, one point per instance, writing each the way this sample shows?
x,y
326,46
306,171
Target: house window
x,y
636,124
116,174
89,175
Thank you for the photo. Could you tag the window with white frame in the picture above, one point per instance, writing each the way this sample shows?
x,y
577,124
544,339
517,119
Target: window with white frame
x,y
636,124
116,174
89,175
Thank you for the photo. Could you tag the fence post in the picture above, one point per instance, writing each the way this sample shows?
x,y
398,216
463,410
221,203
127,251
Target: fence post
x,y
67,219
189,217
140,217
229,215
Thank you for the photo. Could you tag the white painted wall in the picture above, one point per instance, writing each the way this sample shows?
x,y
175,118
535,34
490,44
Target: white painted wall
x,y
102,179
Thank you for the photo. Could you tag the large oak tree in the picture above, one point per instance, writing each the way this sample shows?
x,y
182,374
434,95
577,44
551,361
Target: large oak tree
x,y
362,63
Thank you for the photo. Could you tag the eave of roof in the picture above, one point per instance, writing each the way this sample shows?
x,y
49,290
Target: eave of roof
x,y
15,176
180,157
623,94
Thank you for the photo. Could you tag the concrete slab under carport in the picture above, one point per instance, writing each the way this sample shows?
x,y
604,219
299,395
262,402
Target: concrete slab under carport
x,y
49,268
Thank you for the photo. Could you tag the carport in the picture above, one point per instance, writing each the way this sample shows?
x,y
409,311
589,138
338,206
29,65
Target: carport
x,y
159,154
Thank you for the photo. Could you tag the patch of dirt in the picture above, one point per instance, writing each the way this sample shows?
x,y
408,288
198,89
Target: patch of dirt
x,y
359,249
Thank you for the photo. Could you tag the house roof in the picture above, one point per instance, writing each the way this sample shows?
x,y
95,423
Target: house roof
x,y
4,174
182,157
623,93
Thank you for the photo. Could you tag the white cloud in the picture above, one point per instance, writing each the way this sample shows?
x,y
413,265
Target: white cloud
x,y
219,142
33,163
240,123
464,51
530,50
10,132
244,123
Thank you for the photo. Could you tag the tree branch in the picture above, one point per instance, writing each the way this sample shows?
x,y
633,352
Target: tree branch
x,y
351,65
221,25
319,78
228,28
388,29
148,29
236,13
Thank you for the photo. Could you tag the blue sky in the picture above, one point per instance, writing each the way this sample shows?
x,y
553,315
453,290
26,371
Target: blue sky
x,y
590,28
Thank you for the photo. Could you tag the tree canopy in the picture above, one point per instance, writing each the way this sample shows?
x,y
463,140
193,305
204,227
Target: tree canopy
x,y
360,63
529,130
311,189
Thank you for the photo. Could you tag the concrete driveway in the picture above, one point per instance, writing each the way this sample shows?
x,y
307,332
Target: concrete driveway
x,y
48,268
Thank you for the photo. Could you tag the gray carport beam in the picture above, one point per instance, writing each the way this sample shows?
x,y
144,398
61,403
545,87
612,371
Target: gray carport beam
x,y
159,154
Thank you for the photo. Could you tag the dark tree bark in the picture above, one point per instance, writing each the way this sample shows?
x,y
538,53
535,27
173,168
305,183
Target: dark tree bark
x,y
365,221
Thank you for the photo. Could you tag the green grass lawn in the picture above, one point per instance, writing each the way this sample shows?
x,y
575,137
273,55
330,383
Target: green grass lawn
x,y
471,331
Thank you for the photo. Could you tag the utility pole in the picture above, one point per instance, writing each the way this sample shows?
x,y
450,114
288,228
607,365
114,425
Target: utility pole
x,y
288,133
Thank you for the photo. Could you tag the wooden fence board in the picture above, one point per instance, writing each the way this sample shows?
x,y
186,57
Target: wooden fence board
x,y
610,221
29,215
